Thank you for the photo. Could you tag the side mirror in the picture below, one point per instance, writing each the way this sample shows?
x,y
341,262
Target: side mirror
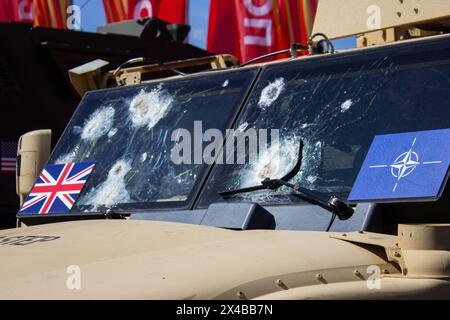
x,y
32,154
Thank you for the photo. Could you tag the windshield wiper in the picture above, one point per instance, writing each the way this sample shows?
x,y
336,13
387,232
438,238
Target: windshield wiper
x,y
333,204
286,178
112,213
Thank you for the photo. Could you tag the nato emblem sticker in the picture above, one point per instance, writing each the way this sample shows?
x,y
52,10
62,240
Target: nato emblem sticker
x,y
402,166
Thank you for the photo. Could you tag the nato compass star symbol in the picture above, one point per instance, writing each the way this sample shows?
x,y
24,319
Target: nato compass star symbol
x,y
405,164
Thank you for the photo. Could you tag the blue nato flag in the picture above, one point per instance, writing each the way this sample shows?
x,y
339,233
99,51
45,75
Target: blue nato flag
x,y
402,166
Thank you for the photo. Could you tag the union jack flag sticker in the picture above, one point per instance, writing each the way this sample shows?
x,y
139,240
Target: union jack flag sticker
x,y
57,188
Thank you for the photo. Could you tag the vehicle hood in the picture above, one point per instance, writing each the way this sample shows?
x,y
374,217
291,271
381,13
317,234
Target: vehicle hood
x,y
128,259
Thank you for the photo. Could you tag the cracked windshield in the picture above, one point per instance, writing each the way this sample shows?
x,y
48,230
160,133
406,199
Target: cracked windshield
x,y
128,132
336,109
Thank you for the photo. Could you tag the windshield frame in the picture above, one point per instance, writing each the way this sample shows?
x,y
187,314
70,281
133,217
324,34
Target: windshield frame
x,y
252,74
308,63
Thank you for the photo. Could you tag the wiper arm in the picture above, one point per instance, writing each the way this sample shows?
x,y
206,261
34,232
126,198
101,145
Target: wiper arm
x,y
333,204
287,177
112,213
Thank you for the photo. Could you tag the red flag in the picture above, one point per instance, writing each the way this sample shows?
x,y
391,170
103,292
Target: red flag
x,y
251,28
45,13
6,11
16,10
223,36
174,11
115,10
51,13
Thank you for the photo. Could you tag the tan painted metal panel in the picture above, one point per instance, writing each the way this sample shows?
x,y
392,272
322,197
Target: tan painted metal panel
x,y
339,19
160,260
388,289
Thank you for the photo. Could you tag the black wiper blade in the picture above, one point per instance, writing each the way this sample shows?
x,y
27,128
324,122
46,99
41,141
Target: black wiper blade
x,y
333,204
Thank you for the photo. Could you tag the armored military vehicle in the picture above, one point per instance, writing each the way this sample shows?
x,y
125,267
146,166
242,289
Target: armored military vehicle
x,y
347,200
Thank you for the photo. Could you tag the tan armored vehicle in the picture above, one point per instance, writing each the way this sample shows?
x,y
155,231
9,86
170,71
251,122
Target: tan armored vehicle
x,y
175,207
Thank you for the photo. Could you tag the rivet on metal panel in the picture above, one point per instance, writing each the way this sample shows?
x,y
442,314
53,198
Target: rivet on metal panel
x,y
320,278
281,284
241,295
358,274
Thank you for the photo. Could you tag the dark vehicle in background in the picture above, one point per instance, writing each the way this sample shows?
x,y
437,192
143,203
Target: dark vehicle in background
x,y
35,89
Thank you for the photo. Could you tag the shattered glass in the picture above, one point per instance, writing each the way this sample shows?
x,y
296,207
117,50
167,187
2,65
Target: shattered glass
x,y
128,132
335,105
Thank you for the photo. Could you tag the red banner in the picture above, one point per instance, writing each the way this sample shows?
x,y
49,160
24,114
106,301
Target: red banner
x,y
16,10
251,28
45,13
51,13
174,11
6,11
116,10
